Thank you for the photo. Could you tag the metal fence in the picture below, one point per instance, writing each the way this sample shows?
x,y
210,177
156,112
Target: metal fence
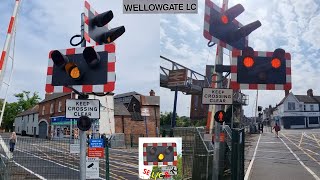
x,y
35,158
195,153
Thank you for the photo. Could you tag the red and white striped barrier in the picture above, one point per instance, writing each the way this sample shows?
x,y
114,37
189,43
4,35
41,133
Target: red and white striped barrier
x,y
6,48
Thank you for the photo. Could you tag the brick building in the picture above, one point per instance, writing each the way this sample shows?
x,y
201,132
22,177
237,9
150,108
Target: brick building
x,y
51,113
128,119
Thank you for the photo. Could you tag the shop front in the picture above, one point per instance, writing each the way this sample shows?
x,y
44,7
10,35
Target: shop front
x,y
62,127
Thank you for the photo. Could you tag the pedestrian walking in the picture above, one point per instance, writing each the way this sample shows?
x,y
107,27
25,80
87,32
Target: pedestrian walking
x,y
12,141
276,129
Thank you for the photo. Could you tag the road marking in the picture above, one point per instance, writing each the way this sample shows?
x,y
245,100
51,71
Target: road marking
x,y
269,142
251,162
312,151
48,160
301,139
31,172
298,159
302,149
316,140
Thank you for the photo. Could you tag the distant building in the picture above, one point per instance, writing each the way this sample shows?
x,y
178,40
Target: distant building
x,y
52,121
26,123
128,118
298,111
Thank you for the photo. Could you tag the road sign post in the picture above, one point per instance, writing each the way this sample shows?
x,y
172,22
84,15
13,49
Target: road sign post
x,y
145,113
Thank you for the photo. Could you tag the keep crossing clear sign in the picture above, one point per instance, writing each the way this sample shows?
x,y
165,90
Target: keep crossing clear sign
x,y
76,108
217,96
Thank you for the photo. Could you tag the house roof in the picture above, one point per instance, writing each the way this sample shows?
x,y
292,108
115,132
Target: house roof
x,y
54,96
120,110
32,110
307,99
126,94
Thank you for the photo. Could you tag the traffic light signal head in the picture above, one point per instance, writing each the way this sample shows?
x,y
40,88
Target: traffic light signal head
x,y
96,29
160,154
93,68
84,123
261,70
222,28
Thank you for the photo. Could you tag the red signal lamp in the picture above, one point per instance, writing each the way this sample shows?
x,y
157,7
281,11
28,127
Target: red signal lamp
x,y
248,62
224,19
275,63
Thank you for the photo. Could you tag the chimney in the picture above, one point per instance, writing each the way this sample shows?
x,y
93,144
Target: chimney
x,y
310,92
152,93
286,92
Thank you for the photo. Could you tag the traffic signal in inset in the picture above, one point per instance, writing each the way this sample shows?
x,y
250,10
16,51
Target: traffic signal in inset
x,y
91,67
221,26
96,29
160,154
84,123
261,70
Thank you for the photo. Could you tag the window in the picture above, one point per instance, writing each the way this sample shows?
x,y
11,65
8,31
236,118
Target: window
x,y
304,107
51,108
311,107
59,106
28,118
27,128
291,106
33,118
43,110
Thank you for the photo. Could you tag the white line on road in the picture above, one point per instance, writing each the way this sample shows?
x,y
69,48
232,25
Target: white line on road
x,y
301,140
31,172
251,162
48,160
269,142
298,159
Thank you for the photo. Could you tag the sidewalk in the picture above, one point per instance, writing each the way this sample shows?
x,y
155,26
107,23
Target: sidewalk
x,y
274,161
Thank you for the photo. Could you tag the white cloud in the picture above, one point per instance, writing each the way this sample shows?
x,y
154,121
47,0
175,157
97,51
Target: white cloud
x,y
311,35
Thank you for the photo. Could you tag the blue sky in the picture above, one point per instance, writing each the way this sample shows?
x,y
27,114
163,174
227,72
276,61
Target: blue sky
x,y
289,24
48,25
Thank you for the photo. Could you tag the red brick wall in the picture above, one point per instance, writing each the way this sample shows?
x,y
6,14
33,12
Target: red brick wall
x,y
47,113
137,128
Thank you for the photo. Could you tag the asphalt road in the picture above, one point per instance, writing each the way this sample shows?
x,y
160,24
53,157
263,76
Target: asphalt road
x,y
36,158
294,155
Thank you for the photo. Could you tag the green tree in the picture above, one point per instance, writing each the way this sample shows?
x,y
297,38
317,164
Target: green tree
x,y
165,118
25,102
183,121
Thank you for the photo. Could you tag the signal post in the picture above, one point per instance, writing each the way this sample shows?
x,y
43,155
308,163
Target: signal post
x,y
86,70
221,28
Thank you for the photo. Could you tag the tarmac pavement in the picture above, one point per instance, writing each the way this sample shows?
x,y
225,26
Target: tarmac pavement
x,y
294,155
